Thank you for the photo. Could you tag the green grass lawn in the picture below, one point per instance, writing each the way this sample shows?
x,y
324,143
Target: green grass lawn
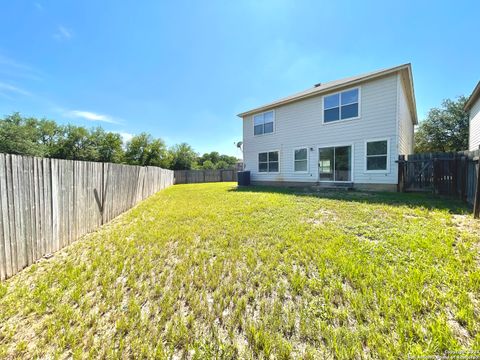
x,y
207,271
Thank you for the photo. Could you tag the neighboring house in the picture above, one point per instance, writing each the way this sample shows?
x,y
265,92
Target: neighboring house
x,y
239,165
473,108
344,132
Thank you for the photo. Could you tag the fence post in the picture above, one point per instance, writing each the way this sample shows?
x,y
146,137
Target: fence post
x,y
454,175
463,184
401,174
105,181
436,176
476,199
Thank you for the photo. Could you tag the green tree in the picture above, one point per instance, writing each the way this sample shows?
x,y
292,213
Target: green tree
x,y
445,129
221,165
218,161
48,136
108,145
183,157
137,149
214,157
30,136
19,135
75,144
231,161
208,165
144,150
158,154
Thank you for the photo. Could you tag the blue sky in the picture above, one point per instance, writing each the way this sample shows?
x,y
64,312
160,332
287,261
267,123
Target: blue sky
x,y
182,70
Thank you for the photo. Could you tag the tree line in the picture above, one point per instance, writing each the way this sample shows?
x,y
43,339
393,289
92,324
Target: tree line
x,y
45,138
445,129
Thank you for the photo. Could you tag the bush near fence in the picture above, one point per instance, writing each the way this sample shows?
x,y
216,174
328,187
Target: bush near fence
x,y
46,204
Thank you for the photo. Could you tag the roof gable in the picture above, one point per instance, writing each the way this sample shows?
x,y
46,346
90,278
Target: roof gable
x,y
319,89
473,97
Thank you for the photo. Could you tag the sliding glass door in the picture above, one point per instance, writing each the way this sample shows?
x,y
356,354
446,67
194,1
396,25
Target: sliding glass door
x,y
335,163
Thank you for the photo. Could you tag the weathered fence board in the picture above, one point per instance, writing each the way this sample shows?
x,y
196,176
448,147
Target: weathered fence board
x,y
204,176
46,204
476,197
454,174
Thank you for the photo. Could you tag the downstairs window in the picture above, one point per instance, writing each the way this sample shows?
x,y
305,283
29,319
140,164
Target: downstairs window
x,y
377,155
300,159
268,161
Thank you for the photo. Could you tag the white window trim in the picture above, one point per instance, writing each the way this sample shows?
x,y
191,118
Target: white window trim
x,y
308,159
340,110
388,157
268,172
352,162
274,123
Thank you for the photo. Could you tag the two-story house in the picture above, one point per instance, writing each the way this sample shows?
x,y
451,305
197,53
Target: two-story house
x,y
473,108
349,131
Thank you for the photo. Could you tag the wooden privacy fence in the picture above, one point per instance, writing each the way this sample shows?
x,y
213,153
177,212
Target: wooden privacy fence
x,y
453,174
46,204
204,176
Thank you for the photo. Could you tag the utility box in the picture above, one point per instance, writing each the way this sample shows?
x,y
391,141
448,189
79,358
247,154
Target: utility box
x,y
243,178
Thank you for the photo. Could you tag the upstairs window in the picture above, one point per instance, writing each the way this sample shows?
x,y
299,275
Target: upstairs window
x,y
268,161
340,106
377,155
301,161
263,123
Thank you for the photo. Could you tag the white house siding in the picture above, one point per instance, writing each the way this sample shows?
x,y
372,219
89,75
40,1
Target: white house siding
x,y
405,124
300,124
474,140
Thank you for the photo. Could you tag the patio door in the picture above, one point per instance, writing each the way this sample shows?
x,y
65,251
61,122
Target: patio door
x,y
335,163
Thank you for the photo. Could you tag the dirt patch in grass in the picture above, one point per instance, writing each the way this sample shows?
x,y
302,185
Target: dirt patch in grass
x,y
467,223
322,216
205,271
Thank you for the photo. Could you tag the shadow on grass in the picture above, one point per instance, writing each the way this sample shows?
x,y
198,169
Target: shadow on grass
x,y
425,200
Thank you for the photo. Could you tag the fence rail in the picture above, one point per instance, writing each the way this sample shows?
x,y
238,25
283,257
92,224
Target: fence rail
x,y
454,174
46,204
204,176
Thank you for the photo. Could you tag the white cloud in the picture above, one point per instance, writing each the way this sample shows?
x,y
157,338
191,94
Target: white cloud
x,y
62,33
13,68
90,116
6,89
4,60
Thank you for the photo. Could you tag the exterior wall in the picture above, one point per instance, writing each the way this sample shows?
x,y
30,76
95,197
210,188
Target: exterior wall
x,y
474,138
405,124
300,124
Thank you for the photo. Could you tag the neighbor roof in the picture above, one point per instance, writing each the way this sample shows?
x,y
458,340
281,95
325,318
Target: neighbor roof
x,y
475,95
332,85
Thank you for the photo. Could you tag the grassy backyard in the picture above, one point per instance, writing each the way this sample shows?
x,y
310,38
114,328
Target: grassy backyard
x,y
208,271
